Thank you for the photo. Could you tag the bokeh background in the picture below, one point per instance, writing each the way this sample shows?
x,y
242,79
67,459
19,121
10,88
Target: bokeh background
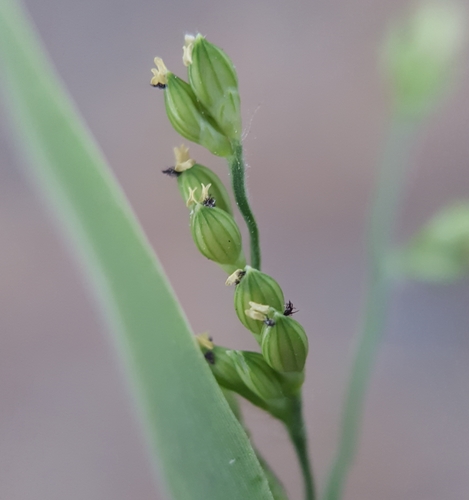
x,y
315,109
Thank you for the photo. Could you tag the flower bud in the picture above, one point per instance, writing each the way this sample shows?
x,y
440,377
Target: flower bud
x,y
213,78
256,286
186,114
191,175
258,375
419,56
217,236
284,344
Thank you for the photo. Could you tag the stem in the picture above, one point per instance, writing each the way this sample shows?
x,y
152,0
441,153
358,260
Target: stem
x,y
238,180
297,431
384,210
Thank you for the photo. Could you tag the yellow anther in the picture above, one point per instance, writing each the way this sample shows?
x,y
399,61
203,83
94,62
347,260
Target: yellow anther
x,y
264,309
255,315
205,193
159,78
257,311
233,279
183,159
191,199
187,50
204,341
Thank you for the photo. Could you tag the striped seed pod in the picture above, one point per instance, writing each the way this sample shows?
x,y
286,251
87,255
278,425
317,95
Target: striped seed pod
x,y
284,343
258,375
186,114
198,174
224,370
213,79
256,286
217,236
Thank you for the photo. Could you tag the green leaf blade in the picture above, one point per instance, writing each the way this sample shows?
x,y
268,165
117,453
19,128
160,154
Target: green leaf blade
x,y
203,451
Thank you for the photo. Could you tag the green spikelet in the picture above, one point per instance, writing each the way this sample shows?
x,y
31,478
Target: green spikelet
x,y
198,174
217,236
213,78
284,344
256,286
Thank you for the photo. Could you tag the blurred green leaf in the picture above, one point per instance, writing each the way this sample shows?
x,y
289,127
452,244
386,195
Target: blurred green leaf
x,y
440,250
202,449
420,53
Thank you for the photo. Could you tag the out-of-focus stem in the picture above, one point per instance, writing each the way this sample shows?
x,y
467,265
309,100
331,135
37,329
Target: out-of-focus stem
x,y
384,210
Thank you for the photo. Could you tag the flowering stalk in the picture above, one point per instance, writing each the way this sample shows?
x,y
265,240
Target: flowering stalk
x,y
207,111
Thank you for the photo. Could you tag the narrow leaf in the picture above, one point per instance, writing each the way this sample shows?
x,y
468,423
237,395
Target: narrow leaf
x,y
202,449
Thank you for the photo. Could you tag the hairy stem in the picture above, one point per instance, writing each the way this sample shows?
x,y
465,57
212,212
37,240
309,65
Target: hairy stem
x,y
238,180
297,431
384,210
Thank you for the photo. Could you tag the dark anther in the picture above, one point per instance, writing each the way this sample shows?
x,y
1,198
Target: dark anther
x,y
269,322
171,172
159,86
289,309
209,202
210,357
240,277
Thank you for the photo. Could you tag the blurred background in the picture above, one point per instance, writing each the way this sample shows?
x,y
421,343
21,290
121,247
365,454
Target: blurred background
x,y
315,110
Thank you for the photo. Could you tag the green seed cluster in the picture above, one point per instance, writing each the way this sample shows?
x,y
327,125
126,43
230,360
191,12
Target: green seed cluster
x,y
206,110
259,304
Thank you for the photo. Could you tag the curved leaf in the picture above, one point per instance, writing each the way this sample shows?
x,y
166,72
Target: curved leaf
x,y
203,451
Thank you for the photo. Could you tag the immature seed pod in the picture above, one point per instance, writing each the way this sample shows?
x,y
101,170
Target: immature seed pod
x,y
258,375
191,120
198,174
256,286
284,343
217,236
224,370
213,78
186,113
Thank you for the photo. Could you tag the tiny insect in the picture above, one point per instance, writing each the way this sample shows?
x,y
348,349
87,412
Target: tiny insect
x,y
209,202
289,309
269,322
